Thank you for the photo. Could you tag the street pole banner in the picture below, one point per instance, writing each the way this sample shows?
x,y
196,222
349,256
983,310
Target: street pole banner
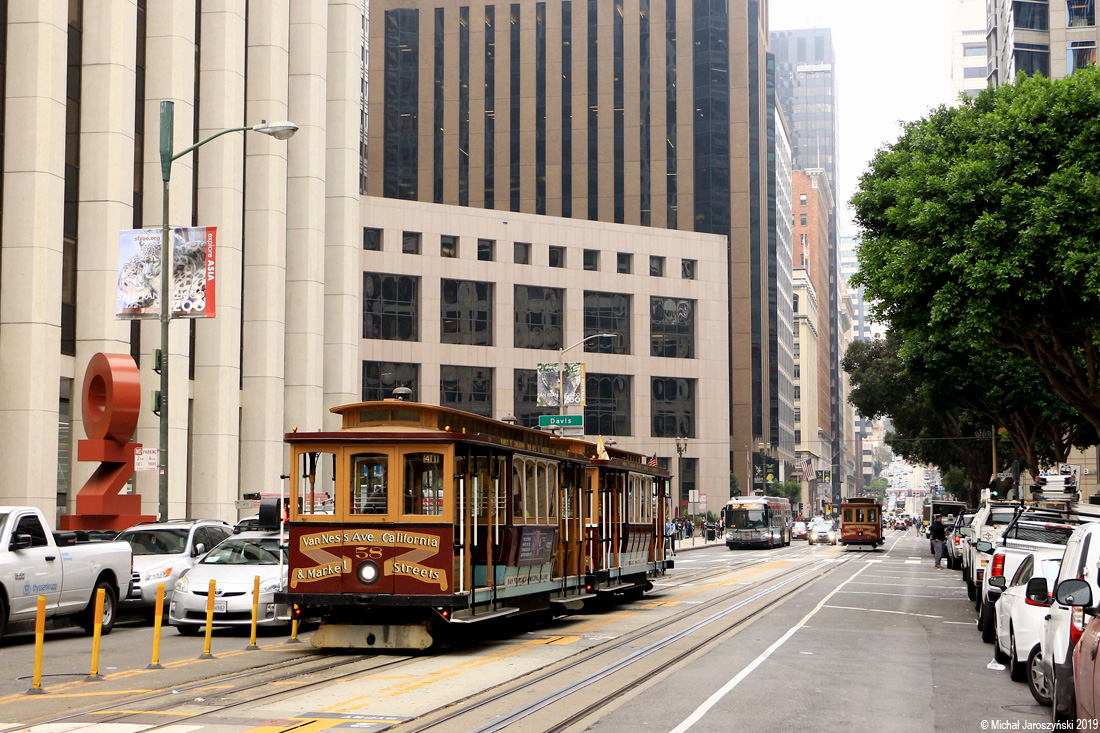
x,y
193,273
573,375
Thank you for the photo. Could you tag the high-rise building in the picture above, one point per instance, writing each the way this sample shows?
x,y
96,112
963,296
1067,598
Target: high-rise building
x,y
968,49
805,82
1030,37
641,112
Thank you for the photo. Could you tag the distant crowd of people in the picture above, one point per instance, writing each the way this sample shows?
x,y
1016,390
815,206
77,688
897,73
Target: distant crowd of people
x,y
684,529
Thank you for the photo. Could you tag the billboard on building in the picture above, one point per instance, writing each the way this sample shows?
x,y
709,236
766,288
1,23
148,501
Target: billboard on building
x,y
193,273
573,377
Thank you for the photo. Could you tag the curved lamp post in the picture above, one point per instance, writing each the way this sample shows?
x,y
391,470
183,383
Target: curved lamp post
x,y
279,131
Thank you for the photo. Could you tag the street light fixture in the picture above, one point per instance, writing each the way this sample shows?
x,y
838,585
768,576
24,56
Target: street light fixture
x,y
279,131
561,366
681,448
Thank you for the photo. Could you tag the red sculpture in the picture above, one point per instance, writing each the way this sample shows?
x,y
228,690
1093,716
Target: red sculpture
x,y
109,404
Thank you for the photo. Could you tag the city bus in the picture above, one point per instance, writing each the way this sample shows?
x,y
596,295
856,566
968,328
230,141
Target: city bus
x,y
757,521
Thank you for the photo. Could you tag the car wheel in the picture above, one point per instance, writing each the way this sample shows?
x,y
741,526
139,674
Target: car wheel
x,y
187,629
110,607
1037,680
1017,670
3,617
1063,715
988,622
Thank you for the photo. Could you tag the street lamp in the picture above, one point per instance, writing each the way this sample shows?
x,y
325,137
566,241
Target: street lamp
x,y
279,131
681,447
561,366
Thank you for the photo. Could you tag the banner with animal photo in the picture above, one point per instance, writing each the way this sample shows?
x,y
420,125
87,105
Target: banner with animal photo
x,y
193,273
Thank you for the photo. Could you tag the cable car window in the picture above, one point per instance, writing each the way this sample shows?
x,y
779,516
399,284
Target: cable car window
x,y
542,495
530,489
552,488
859,515
370,484
847,515
517,489
481,485
423,484
500,506
316,483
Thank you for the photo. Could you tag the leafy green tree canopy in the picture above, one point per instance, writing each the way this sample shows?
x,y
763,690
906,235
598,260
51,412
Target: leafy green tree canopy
x,y
982,222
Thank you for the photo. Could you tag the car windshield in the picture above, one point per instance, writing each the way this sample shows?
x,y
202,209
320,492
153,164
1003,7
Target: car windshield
x,y
746,518
156,541
1051,534
246,552
822,527
3,521
1001,516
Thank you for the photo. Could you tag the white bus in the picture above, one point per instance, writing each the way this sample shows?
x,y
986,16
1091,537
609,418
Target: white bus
x,y
757,521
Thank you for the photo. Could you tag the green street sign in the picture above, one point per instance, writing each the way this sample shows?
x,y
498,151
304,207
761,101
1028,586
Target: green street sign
x,y
561,421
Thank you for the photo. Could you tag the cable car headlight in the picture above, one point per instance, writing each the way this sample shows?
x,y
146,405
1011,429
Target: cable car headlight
x,y
367,572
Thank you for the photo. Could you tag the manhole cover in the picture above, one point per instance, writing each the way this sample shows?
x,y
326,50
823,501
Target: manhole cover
x,y
1027,709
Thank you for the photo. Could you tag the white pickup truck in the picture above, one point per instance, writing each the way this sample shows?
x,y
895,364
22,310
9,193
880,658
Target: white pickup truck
x,y
36,562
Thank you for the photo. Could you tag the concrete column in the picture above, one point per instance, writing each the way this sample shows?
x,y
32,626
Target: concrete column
x,y
343,273
305,287
264,300
217,395
106,193
30,254
170,75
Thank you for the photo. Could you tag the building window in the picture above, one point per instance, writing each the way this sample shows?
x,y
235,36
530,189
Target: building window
x,y
514,110
566,109
448,246
557,256
687,269
1079,13
798,414
464,106
607,313
410,243
490,105
466,313
974,49
656,266
618,116
372,239
540,317
1033,16
400,167
672,401
801,199
645,141
802,239
802,220
525,399
1032,59
466,388
797,350
671,327
391,306
974,72
521,253
485,249
1082,54
381,378
591,259
797,437
797,371
670,114
437,111
593,112
797,392
794,303
624,263
710,23
540,108
608,398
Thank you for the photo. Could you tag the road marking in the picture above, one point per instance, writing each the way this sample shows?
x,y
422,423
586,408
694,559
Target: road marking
x,y
912,562
879,610
960,623
713,700
898,595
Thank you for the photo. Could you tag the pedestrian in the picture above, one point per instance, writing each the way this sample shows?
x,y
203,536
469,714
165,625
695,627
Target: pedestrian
x,y
670,532
939,535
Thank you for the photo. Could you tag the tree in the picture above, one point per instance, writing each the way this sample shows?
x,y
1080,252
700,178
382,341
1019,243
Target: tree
x,y
789,490
735,485
980,224
879,485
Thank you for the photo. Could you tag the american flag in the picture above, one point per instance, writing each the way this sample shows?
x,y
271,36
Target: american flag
x,y
652,460
807,468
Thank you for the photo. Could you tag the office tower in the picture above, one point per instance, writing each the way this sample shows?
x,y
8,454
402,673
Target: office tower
x,y
968,48
626,111
1039,38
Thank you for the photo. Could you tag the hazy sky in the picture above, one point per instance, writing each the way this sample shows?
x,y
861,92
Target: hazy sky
x,y
893,63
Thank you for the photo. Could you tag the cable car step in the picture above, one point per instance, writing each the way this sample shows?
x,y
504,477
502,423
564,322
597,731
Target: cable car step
x,y
486,616
619,588
573,603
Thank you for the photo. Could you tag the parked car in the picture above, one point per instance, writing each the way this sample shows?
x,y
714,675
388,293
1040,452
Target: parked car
x,y
1020,618
822,532
248,524
990,521
162,552
1075,591
1086,676
233,566
36,562
957,535
1029,532
799,531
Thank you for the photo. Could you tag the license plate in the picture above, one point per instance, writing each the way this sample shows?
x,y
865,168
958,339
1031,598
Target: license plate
x,y
219,606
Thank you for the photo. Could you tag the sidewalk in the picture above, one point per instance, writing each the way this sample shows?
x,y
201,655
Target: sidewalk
x,y
695,542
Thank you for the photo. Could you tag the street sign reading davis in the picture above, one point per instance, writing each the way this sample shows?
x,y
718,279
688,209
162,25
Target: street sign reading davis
x,y
561,421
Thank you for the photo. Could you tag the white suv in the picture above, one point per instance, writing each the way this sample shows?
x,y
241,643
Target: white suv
x,y
1066,621
162,552
990,522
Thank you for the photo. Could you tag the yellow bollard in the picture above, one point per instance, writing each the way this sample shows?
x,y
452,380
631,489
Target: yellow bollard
x,y
293,626
97,635
39,641
158,619
255,611
209,621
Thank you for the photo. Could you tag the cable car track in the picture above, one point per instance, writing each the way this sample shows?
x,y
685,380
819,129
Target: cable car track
x,y
756,591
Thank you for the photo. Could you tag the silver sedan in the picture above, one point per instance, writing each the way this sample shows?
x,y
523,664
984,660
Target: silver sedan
x,y
233,566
